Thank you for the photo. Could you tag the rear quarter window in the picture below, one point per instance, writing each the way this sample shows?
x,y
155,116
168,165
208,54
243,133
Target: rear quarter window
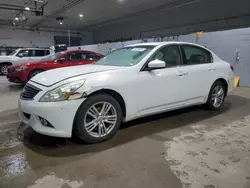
x,y
196,55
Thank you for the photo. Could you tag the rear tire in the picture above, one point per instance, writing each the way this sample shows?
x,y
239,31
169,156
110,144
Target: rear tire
x,y
106,120
216,96
34,73
4,68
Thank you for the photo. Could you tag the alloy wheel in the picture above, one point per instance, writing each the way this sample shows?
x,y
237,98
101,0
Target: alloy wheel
x,y
4,69
218,96
34,74
100,119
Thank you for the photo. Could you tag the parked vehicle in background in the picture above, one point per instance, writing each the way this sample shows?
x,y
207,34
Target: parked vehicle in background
x,y
132,82
22,55
60,47
21,73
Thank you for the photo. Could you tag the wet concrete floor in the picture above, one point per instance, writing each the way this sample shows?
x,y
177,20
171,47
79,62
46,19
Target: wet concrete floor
x,y
187,148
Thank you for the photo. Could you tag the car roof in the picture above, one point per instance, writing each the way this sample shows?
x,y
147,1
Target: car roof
x,y
162,43
67,51
33,49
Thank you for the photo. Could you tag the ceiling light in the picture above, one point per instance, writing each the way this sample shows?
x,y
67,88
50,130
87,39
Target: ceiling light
x,y
61,23
81,15
120,1
27,8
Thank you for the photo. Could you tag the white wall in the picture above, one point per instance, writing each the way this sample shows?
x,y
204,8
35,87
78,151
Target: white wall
x,y
227,44
105,48
230,45
27,38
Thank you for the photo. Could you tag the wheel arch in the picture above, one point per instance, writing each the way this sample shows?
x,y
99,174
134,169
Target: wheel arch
x,y
224,82
35,69
7,62
110,92
114,94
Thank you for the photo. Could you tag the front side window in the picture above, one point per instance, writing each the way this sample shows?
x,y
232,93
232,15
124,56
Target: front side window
x,y
170,55
125,57
54,56
23,53
196,55
72,56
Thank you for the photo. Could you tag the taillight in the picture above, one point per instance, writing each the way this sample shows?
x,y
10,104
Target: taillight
x,y
232,68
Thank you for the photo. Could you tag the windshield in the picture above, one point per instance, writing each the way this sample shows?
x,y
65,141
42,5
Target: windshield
x,y
12,53
52,57
125,57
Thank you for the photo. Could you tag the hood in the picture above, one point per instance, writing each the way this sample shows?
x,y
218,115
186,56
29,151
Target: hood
x,y
52,77
5,58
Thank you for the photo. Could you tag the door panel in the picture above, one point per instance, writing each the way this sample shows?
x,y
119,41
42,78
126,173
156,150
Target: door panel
x,y
162,89
198,81
201,72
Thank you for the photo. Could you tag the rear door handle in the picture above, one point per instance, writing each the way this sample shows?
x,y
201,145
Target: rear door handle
x,y
211,69
181,73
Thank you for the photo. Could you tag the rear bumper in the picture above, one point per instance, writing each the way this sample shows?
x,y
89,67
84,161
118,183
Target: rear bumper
x,y
230,85
18,77
230,82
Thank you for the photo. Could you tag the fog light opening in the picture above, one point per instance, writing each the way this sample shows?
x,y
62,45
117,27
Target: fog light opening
x,y
45,123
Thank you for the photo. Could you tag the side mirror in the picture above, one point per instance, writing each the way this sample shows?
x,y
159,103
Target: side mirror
x,y
60,60
156,64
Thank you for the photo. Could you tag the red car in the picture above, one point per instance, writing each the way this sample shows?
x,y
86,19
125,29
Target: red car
x,y
21,73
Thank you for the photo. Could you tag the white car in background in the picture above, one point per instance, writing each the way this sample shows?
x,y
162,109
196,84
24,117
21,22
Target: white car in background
x,y
22,55
132,82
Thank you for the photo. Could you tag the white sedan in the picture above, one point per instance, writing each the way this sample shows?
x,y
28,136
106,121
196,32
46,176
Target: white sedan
x,y
132,82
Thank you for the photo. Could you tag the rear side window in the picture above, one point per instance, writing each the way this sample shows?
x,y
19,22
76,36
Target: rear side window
x,y
93,56
89,56
47,52
40,53
194,55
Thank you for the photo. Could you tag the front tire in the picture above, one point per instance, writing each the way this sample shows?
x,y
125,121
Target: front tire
x,y
34,73
4,68
98,118
216,96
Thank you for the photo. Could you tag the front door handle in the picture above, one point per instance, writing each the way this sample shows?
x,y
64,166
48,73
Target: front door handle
x,y
181,73
211,69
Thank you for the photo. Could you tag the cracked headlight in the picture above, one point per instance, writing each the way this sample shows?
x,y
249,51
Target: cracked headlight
x,y
64,92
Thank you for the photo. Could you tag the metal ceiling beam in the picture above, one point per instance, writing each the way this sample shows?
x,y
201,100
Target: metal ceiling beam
x,y
191,27
37,10
11,7
57,12
170,5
